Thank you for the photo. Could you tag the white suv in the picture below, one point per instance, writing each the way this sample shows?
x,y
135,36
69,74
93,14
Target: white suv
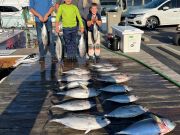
x,y
156,13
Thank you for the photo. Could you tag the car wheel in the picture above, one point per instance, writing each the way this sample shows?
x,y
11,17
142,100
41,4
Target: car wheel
x,y
152,22
177,39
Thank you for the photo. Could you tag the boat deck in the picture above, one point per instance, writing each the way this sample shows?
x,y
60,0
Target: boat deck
x,y
26,96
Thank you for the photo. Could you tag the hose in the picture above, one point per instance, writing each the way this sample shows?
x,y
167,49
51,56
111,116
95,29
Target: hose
x,y
146,65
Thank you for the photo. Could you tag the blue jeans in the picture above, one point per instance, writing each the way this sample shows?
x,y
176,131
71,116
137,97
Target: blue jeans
x,y
51,46
70,39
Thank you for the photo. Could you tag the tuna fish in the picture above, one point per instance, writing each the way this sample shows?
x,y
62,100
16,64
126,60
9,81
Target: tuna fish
x,y
106,69
83,122
114,78
75,84
80,93
127,111
59,48
44,35
82,46
75,105
72,78
95,33
123,98
77,71
149,127
116,88
100,65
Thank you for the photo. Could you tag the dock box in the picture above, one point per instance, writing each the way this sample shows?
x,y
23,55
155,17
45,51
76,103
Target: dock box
x,y
130,38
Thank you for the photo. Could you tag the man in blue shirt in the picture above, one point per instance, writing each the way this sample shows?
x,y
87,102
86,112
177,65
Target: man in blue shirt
x,y
42,10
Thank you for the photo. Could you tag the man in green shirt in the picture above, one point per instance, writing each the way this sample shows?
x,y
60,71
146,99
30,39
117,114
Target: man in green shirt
x,y
69,14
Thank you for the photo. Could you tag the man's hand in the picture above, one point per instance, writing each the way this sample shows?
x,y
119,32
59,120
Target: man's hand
x,y
46,17
41,18
82,29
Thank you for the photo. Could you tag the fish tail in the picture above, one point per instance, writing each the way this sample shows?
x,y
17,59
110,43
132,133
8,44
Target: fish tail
x,y
122,133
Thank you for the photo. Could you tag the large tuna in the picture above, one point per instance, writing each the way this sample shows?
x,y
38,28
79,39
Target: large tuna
x,y
75,105
83,122
80,93
149,126
127,111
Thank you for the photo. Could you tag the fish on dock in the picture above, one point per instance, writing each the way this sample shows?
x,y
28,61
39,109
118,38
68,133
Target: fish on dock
x,y
75,105
100,65
75,84
114,78
77,71
105,69
128,111
123,99
72,78
149,126
84,122
116,88
80,93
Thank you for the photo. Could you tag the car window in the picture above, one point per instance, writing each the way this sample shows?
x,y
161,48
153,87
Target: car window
x,y
174,3
8,9
154,4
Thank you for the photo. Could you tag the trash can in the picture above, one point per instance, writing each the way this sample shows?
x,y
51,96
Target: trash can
x,y
130,38
113,18
115,43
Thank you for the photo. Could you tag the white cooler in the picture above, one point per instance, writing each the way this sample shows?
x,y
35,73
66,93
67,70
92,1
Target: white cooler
x,y
130,38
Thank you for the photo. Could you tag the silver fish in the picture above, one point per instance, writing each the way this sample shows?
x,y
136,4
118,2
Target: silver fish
x,y
114,78
106,69
100,65
77,71
95,33
149,127
59,48
72,78
123,98
80,93
127,111
82,46
75,105
116,88
44,35
75,84
83,122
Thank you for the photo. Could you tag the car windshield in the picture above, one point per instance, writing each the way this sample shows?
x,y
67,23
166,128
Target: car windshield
x,y
154,3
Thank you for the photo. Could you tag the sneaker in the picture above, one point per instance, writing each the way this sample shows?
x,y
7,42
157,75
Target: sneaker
x,y
54,59
41,59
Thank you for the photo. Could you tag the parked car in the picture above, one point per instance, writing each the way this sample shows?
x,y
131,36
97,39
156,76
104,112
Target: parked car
x,y
156,13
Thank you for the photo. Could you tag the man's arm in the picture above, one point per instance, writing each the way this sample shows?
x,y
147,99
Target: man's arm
x,y
48,13
59,13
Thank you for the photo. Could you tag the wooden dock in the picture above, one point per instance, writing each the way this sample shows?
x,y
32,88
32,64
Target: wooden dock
x,y
26,96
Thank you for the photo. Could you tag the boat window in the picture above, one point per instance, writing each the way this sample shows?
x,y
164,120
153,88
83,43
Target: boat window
x,y
8,9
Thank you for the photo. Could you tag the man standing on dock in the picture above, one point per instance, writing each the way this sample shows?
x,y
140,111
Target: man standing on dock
x,y
42,10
